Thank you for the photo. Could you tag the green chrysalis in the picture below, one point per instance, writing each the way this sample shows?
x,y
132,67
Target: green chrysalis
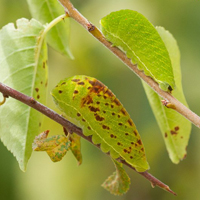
x,y
92,106
134,34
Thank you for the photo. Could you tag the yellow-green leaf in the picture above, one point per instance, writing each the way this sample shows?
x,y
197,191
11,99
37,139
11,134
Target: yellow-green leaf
x,y
118,183
174,127
23,66
76,147
55,146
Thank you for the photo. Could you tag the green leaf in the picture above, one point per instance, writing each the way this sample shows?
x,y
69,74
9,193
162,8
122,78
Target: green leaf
x,y
55,146
118,183
47,10
92,106
23,66
174,127
134,34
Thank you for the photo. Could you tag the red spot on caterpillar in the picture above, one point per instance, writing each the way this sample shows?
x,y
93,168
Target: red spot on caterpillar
x,y
75,91
63,83
117,102
97,86
75,80
123,111
135,132
37,89
81,83
109,93
113,136
130,122
93,109
125,151
99,118
86,100
139,142
105,127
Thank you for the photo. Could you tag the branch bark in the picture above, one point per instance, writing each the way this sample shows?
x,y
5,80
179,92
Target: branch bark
x,y
177,105
9,92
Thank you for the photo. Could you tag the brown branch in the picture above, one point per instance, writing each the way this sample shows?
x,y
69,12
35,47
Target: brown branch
x,y
178,106
9,92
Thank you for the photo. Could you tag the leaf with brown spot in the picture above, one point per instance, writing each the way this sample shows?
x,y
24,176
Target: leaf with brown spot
x,y
174,127
23,54
76,147
104,119
55,146
118,183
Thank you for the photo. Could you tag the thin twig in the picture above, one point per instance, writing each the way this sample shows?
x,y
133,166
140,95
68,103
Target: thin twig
x,y
9,92
178,106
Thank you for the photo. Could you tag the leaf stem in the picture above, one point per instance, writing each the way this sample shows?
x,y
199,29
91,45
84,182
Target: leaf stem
x,y
30,101
54,22
3,101
47,28
178,106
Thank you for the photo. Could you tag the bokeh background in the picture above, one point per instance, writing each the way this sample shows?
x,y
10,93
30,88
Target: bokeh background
x,y
65,180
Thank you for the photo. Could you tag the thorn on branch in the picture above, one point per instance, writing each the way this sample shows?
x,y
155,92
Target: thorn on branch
x,y
168,104
67,14
32,100
91,27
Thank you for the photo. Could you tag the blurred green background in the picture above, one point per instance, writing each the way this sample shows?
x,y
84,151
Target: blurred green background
x,y
65,180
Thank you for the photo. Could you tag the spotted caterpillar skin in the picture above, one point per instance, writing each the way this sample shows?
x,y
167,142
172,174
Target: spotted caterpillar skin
x,y
90,105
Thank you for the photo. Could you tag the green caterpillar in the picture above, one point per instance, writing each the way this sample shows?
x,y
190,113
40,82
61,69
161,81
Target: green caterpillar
x,y
92,106
138,38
